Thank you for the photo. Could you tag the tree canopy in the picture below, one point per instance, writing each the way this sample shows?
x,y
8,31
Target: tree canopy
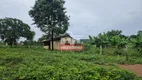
x,y
50,15
12,29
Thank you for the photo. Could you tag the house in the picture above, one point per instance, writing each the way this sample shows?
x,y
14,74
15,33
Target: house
x,y
61,39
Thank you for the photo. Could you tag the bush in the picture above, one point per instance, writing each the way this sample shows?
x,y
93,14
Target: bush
x,y
91,49
65,73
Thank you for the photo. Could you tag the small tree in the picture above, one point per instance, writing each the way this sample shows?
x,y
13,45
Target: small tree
x,y
137,41
101,41
120,43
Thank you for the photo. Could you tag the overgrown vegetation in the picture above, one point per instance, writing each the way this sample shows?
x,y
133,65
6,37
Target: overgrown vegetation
x,y
122,44
40,64
98,61
110,55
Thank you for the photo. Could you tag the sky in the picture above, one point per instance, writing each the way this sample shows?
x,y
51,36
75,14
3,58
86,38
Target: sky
x,y
87,17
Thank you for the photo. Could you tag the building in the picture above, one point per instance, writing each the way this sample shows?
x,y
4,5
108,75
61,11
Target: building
x,y
61,39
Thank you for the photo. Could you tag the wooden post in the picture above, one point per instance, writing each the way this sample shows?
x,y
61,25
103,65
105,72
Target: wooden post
x,y
127,57
118,56
101,50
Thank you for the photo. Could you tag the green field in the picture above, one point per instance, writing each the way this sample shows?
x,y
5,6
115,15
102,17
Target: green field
x,y
41,64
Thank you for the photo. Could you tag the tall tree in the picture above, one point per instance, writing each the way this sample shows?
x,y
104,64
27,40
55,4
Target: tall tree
x,y
12,29
49,16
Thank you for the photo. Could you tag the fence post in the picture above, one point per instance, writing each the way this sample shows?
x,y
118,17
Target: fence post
x,y
127,57
101,50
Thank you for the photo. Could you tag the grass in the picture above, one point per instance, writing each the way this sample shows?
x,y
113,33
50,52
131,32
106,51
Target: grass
x,y
139,78
41,64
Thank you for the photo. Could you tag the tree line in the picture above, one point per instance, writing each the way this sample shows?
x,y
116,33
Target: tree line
x,y
115,38
51,18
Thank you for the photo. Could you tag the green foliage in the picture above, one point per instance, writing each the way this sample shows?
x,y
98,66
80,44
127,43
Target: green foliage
x,y
115,39
111,38
40,64
12,29
31,43
114,33
119,51
139,78
44,37
110,55
50,15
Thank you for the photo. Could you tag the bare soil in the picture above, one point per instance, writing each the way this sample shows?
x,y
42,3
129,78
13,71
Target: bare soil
x,y
135,68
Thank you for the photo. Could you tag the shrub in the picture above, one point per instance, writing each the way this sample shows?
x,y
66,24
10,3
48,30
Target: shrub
x,y
40,64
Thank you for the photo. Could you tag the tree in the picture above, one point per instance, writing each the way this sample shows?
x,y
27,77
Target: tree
x,y
12,29
50,16
108,38
137,39
114,33
101,39
91,40
44,37
140,36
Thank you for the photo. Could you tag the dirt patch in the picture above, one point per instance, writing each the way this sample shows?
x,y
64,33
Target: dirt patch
x,y
135,68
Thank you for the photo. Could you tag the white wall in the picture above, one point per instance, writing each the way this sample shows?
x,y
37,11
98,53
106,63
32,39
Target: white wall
x,y
69,39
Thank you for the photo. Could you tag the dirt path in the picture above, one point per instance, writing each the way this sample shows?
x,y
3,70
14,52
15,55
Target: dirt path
x,y
135,68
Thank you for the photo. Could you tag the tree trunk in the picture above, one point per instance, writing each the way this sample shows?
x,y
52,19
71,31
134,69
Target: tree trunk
x,y
52,41
10,42
14,42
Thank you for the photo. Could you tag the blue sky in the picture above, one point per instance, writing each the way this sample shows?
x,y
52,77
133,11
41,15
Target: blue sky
x,y
87,17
